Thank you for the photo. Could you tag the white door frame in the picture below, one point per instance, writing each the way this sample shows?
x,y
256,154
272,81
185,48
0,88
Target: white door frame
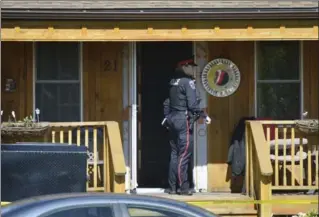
x,y
200,173
200,151
133,114
126,123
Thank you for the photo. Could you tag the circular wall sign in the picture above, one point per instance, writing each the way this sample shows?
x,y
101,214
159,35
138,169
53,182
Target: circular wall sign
x,y
221,77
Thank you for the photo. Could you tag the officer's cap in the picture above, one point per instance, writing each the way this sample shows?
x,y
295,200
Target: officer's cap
x,y
184,62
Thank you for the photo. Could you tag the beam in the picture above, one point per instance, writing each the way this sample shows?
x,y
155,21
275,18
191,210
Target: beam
x,y
153,34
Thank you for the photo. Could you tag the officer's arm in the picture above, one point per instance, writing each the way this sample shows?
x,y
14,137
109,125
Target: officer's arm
x,y
192,100
166,107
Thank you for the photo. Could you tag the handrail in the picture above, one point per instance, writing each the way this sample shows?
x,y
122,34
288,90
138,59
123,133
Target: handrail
x,y
258,166
114,167
276,122
273,148
262,149
77,124
114,138
116,148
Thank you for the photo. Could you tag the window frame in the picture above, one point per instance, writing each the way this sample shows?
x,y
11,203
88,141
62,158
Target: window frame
x,y
151,206
276,81
79,81
113,206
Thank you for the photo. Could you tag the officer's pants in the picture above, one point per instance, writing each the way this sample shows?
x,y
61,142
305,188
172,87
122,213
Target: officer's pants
x,y
181,153
172,171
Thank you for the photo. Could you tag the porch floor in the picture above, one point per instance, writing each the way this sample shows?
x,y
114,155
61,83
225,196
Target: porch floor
x,y
213,203
202,196
210,201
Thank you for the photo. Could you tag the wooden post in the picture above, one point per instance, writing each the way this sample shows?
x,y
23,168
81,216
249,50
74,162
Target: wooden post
x,y
247,172
106,159
119,184
265,209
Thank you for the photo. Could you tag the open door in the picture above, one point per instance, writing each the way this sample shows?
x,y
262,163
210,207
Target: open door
x,y
156,65
151,65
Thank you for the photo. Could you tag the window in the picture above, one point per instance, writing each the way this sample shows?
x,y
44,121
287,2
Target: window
x,y
278,80
58,81
83,212
144,211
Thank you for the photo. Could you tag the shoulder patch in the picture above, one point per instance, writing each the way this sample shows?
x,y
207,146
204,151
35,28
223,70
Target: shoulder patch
x,y
175,82
192,84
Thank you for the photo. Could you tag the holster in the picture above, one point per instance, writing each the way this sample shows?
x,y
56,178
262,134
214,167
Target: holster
x,y
192,118
166,124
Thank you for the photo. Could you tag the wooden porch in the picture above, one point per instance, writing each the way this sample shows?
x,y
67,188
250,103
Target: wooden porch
x,y
276,176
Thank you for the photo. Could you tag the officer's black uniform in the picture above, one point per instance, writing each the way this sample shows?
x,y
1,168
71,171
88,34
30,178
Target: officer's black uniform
x,y
172,173
183,103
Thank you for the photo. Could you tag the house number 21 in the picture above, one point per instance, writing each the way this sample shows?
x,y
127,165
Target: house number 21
x,y
110,65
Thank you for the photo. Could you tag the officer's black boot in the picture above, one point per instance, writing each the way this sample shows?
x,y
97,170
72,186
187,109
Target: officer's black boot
x,y
187,192
178,191
170,191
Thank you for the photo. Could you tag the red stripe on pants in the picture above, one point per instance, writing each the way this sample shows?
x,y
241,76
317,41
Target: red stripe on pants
x,y
183,155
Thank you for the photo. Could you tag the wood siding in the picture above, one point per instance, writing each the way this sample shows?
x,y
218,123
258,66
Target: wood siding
x,y
102,81
311,78
227,111
17,64
311,81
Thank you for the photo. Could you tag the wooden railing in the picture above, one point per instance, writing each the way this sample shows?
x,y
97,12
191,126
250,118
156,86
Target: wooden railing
x,y
278,158
106,164
258,166
294,157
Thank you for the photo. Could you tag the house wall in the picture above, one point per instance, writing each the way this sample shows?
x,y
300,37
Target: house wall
x,y
311,78
227,111
17,64
102,80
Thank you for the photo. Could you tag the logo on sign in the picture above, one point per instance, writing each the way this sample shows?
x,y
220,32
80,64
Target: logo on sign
x,y
221,77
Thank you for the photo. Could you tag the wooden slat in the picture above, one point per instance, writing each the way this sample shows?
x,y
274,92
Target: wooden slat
x,y
106,154
247,165
285,154
252,173
69,137
293,157
95,179
317,166
301,168
309,164
116,34
276,155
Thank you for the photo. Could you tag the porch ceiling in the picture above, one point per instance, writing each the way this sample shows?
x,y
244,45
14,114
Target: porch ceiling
x,y
160,31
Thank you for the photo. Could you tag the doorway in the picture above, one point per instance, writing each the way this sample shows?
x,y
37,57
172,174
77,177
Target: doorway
x,y
156,64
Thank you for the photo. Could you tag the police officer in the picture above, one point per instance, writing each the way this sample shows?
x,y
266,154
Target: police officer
x,y
180,117
172,174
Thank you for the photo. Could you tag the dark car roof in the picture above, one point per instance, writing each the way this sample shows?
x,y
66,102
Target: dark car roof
x,y
56,199
127,4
